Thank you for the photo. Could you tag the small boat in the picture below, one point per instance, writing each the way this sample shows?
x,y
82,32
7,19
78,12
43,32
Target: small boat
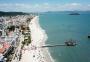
x,y
70,43
88,36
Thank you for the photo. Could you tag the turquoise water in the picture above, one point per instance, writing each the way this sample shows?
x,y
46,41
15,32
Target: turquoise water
x,y
60,27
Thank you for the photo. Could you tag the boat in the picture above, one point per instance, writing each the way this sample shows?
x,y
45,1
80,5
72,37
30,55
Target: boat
x,y
88,36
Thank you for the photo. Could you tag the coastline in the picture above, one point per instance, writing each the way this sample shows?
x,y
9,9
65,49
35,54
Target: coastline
x,y
38,36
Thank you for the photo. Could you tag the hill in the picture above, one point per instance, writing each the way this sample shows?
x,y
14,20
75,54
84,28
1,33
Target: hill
x,y
11,13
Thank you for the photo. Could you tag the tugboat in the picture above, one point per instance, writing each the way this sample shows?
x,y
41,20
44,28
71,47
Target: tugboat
x,y
70,43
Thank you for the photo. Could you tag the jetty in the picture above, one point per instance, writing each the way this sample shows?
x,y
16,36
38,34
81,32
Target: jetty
x,y
53,45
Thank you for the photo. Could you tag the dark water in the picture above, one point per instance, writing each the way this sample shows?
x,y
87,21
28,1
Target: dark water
x,y
61,27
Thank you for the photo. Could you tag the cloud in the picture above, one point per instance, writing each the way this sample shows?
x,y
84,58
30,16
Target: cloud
x,y
89,5
69,6
75,4
43,7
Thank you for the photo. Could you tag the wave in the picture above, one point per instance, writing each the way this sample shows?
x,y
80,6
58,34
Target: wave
x,y
44,40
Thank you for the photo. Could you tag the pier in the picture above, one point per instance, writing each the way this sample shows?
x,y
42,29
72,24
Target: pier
x,y
56,45
59,45
67,43
53,45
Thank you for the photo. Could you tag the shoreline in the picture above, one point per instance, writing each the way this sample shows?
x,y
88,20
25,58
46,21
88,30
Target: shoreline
x,y
38,36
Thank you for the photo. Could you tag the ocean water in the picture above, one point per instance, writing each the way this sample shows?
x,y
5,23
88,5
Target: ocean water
x,y
60,27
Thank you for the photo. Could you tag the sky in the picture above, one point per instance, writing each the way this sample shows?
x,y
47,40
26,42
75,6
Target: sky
x,y
44,5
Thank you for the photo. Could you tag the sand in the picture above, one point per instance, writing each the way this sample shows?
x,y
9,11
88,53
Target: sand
x,y
34,52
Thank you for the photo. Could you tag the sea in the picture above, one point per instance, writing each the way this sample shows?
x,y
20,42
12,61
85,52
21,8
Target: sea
x,y
61,27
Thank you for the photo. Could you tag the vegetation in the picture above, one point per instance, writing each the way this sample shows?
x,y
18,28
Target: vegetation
x,y
11,28
27,37
28,20
12,13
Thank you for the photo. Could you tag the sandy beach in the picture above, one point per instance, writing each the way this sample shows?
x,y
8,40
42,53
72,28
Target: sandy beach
x,y
34,52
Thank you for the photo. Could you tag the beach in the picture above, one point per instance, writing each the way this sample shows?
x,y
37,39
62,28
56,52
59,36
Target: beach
x,y
34,52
